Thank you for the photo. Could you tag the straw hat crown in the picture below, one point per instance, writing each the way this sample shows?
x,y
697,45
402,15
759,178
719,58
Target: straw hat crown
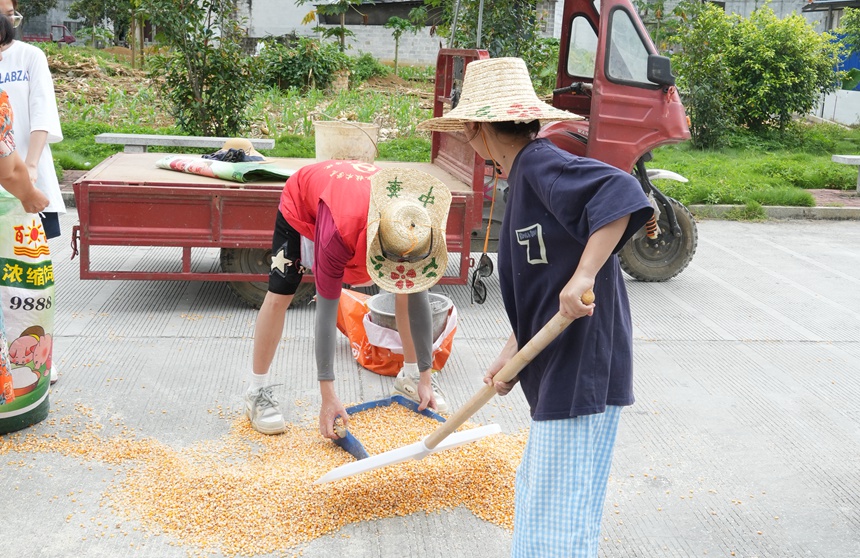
x,y
245,145
496,90
406,220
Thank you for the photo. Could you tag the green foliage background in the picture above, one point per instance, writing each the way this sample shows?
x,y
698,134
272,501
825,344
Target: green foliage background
x,y
753,73
206,75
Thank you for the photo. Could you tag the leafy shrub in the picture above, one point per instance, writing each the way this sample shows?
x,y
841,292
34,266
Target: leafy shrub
x,y
364,67
779,67
509,28
702,71
305,64
754,73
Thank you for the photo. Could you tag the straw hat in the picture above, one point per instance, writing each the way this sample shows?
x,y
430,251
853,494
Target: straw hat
x,y
245,145
406,219
496,90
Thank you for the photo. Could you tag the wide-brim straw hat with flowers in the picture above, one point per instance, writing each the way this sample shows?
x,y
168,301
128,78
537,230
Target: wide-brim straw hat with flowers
x,y
496,90
406,220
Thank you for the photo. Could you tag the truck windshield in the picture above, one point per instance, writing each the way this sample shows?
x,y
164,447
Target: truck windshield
x,y
583,48
628,55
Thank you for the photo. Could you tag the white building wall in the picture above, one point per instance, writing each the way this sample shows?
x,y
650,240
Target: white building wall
x,y
378,41
275,18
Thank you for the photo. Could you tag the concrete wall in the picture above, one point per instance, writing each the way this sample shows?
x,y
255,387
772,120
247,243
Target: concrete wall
x,y
378,41
275,17
842,107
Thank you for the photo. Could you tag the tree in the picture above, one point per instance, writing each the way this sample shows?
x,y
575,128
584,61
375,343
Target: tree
x,y
398,26
96,12
337,8
135,31
33,8
850,29
660,23
507,28
206,75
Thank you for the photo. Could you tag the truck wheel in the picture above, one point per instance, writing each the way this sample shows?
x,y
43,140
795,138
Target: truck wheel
x,y
256,260
660,260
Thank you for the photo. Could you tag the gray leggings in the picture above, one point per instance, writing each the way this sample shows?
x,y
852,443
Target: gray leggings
x,y
325,332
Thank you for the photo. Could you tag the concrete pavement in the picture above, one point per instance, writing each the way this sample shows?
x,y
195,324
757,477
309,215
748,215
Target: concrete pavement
x,y
744,440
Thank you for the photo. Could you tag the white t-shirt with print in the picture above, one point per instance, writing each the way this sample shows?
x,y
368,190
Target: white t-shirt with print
x,y
25,76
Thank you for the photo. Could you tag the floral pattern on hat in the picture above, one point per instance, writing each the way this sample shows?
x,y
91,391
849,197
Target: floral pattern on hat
x,y
394,190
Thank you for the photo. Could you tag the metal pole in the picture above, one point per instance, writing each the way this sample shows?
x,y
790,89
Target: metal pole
x,y
454,24
480,23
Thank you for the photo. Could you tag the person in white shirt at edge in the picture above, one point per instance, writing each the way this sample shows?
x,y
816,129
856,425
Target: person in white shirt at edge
x,y
25,76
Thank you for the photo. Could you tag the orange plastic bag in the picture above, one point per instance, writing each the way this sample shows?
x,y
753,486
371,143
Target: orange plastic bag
x,y
381,351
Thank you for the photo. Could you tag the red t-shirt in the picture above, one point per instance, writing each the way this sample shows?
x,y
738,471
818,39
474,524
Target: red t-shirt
x,y
344,188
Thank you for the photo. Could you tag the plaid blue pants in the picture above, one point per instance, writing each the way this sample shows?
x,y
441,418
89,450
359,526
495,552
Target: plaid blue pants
x,y
561,486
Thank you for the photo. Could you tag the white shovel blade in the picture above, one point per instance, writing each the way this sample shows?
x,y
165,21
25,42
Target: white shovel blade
x,y
413,451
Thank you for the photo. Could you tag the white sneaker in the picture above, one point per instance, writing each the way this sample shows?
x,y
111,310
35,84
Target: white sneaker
x,y
263,411
407,385
54,374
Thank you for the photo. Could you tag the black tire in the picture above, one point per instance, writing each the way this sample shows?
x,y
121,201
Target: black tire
x,y
256,260
645,260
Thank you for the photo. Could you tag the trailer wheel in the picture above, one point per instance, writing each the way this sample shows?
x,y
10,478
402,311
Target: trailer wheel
x,y
256,260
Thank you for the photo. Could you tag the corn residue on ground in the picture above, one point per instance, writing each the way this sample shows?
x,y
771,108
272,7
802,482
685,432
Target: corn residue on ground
x,y
248,494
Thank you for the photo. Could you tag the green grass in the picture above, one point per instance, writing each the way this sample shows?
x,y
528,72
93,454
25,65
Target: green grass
x,y
764,172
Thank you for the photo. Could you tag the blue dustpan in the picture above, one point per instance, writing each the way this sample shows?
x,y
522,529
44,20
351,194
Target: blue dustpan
x,y
351,444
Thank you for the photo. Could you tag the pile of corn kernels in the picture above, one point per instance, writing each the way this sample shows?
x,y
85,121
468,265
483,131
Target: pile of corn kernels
x,y
249,494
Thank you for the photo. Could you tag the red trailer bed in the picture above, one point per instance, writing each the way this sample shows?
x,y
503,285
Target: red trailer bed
x,y
127,201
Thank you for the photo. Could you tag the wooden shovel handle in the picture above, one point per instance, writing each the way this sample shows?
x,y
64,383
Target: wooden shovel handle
x,y
508,372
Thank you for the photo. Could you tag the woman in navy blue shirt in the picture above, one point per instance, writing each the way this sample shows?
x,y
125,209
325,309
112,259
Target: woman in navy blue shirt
x,y
565,219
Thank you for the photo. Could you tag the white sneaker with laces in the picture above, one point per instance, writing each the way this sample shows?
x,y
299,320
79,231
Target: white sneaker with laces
x,y
263,411
407,385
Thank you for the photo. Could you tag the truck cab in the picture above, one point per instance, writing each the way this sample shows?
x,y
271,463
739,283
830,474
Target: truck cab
x,y
609,72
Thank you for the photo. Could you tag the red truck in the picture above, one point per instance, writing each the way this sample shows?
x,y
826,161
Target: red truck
x,y
60,34
624,89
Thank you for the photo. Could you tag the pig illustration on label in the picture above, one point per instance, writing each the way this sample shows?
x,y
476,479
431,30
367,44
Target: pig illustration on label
x,y
31,351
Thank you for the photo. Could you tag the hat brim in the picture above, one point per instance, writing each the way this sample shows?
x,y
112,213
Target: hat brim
x,y
454,120
420,275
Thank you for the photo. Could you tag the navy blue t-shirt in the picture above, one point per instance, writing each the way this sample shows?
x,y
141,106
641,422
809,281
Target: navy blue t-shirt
x,y
556,201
